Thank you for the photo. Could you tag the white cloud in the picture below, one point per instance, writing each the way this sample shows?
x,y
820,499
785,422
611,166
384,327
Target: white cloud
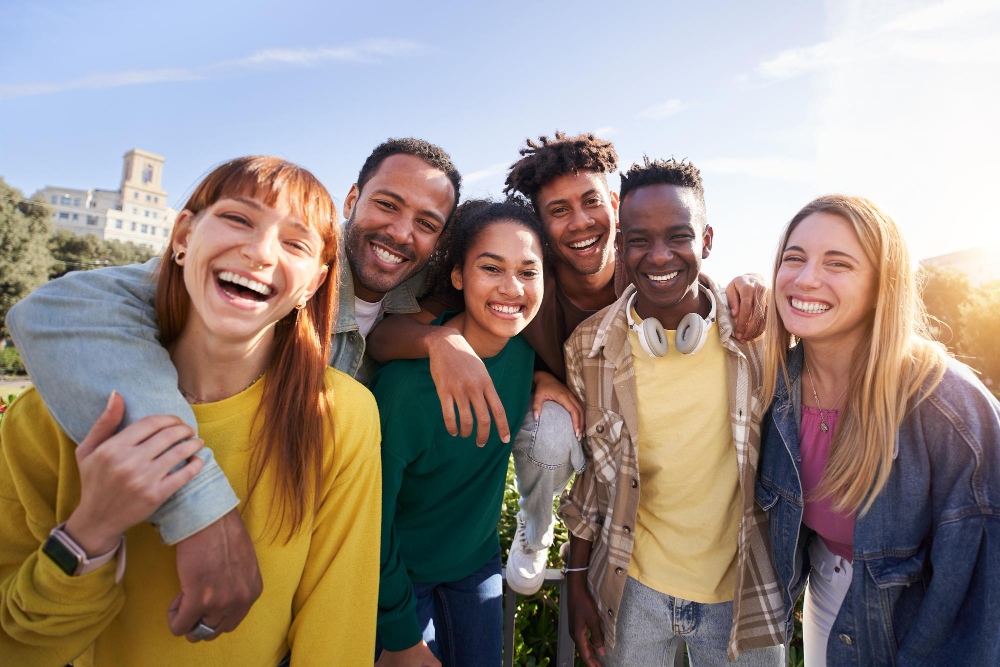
x,y
772,168
663,110
363,52
483,174
607,131
938,41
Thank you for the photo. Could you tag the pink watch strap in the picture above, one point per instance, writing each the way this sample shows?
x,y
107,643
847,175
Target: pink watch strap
x,y
88,565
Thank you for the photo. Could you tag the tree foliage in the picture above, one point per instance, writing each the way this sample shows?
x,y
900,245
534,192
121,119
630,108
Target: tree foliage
x,y
79,253
25,227
973,329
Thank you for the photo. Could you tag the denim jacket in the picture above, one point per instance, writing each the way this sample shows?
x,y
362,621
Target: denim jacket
x,y
90,332
926,586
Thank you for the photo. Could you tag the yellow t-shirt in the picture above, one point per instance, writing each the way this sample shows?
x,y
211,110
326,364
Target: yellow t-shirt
x,y
688,520
320,593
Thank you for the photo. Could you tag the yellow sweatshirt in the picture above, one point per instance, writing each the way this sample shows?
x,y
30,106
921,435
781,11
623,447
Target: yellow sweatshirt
x,y
320,594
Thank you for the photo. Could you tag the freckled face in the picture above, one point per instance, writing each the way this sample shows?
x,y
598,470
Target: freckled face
x,y
246,265
501,279
580,216
825,286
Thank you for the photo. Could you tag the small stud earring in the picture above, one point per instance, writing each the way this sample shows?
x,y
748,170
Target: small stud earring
x,y
300,305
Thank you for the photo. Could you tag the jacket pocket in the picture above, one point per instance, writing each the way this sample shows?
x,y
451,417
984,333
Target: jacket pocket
x,y
899,587
602,444
889,572
765,496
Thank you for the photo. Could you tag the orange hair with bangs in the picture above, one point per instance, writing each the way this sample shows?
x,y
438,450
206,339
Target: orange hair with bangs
x,y
295,405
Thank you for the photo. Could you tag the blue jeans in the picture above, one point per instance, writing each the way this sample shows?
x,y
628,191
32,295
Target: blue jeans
x,y
650,625
462,620
546,454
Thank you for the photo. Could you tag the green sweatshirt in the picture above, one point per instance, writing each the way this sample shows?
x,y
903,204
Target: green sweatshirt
x,y
441,495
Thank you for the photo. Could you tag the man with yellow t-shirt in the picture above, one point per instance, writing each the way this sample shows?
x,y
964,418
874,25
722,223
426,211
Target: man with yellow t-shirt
x,y
666,542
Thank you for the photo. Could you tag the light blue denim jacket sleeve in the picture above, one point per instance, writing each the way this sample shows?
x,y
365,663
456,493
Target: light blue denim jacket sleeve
x,y
90,332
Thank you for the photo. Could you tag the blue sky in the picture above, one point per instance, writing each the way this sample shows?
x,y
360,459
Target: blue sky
x,y
776,102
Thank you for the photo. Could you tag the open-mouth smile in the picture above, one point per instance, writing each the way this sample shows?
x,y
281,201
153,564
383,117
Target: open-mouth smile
x,y
507,311
808,307
241,290
386,256
585,244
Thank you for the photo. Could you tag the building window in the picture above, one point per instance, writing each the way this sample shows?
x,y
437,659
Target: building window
x,y
146,212
93,204
133,226
76,217
76,201
166,232
156,200
135,210
154,215
147,173
55,200
92,220
145,228
64,200
149,198
64,216
152,230
118,224
135,195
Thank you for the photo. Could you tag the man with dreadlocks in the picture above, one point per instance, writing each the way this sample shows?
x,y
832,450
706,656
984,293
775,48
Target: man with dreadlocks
x,y
566,180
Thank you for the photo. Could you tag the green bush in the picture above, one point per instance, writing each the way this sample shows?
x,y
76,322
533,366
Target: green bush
x,y
536,623
10,361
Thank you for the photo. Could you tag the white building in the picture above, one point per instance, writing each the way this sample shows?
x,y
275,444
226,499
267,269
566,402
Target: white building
x,y
136,212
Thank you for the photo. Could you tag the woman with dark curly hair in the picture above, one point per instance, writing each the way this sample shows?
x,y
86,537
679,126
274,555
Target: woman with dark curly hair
x,y
440,591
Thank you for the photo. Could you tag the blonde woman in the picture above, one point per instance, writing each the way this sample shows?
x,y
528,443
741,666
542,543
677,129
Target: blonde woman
x,y
880,468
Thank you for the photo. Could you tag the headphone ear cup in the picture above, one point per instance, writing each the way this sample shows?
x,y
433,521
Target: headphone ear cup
x,y
653,337
690,334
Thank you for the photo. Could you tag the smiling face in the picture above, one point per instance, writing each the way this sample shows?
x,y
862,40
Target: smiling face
x,y
501,283
664,237
395,222
579,214
825,287
246,265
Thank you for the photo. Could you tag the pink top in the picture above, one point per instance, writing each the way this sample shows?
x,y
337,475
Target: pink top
x,y
836,528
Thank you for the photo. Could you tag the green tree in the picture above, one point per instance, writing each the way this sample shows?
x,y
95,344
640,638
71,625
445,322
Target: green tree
x,y
25,226
79,253
979,342
944,292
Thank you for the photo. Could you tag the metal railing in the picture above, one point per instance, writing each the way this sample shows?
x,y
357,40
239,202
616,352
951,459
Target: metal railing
x,y
565,649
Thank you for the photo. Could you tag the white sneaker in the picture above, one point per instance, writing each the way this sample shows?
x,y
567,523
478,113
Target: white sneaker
x,y
525,566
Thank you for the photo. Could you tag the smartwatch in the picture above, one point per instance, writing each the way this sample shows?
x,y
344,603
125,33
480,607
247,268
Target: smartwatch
x,y
72,559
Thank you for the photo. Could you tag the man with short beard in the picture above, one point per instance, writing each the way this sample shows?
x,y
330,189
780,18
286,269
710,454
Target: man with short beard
x,y
405,193
566,181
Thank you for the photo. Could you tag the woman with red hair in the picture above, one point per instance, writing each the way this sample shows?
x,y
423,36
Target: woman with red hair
x,y
245,298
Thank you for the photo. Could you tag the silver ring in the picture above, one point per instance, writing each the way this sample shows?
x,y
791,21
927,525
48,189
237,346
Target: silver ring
x,y
202,631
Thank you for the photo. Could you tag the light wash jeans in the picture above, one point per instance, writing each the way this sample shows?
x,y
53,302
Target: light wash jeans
x,y
546,454
650,625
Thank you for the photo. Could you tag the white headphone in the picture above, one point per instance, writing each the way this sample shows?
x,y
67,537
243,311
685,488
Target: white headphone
x,y
692,332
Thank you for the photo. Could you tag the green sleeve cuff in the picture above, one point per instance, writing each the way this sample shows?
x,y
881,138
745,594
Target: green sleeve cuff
x,y
400,633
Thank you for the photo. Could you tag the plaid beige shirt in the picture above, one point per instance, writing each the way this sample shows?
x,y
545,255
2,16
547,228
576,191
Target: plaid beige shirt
x,y
601,507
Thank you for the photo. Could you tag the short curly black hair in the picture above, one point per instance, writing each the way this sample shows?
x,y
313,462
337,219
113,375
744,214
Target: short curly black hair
x,y
547,159
471,219
662,172
433,155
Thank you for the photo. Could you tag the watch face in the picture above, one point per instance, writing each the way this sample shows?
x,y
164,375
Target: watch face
x,y
61,554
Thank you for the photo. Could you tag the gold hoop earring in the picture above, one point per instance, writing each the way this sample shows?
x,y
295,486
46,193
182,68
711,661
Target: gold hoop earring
x,y
178,256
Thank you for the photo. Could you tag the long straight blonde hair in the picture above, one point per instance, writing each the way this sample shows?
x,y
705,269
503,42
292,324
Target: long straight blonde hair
x,y
895,358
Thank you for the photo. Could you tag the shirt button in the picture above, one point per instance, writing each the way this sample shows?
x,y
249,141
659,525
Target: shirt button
x,y
844,638
627,530
611,613
635,483
600,428
618,570
836,568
